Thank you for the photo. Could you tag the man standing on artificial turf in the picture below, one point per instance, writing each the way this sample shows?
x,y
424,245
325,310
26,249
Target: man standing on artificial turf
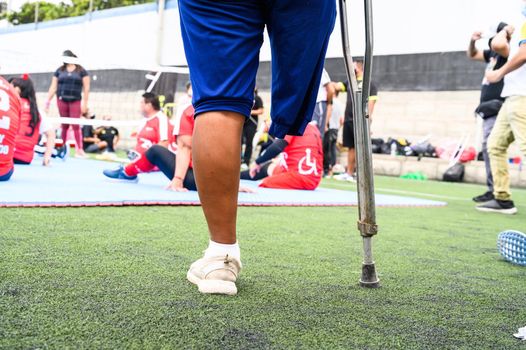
x,y
490,95
511,121
348,123
222,40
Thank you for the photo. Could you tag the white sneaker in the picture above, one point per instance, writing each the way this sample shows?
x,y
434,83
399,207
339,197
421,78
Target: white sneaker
x,y
344,177
217,275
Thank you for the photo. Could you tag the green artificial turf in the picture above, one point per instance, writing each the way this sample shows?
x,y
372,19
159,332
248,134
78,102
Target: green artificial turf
x,y
114,278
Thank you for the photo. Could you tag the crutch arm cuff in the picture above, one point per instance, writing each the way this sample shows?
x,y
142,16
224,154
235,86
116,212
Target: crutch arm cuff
x,y
366,229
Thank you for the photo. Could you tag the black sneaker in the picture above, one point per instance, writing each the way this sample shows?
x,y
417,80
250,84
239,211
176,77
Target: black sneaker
x,y
483,198
498,206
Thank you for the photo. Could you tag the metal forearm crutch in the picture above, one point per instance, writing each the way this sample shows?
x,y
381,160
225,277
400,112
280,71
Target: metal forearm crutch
x,y
366,204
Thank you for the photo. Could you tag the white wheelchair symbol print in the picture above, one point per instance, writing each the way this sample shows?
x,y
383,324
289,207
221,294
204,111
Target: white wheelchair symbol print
x,y
307,165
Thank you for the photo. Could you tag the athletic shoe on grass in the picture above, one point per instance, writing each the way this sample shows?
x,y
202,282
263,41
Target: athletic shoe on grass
x,y
498,206
483,198
512,246
217,275
344,177
119,175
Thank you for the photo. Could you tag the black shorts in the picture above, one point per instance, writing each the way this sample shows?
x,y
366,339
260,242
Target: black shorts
x,y
348,134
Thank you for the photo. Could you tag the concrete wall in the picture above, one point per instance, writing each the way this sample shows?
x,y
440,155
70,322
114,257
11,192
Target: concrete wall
x,y
442,115
414,115
434,169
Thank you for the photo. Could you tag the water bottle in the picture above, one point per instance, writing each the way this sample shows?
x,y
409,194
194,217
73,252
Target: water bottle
x,y
393,149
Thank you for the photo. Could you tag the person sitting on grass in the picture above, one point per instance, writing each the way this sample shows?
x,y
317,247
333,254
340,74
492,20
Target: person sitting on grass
x,y
32,125
299,166
156,129
101,139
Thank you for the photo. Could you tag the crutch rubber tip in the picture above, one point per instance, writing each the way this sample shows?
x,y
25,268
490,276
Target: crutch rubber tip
x,y
369,278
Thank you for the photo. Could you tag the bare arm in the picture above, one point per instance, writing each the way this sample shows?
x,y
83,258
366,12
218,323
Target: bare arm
x,y
51,92
85,90
182,162
330,96
501,42
258,111
473,52
370,105
513,64
164,143
94,138
50,145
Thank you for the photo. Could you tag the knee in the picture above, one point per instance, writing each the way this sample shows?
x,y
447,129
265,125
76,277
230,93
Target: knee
x,y
152,152
494,147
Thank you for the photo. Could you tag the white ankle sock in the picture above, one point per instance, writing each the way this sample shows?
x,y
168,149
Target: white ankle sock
x,y
219,249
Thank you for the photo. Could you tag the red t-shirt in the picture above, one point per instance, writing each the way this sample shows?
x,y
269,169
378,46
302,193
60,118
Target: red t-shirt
x,y
9,124
152,131
185,125
304,154
25,143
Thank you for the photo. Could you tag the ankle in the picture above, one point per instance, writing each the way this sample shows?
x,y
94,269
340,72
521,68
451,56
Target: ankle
x,y
506,203
219,249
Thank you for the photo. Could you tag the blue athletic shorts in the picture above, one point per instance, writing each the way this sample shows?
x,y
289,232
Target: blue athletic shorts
x,y
222,39
7,176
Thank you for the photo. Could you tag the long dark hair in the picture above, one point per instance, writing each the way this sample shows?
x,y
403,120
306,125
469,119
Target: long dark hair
x,y
78,67
27,91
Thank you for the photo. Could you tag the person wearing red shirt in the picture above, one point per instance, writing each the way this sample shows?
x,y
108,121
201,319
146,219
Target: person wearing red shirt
x,y
155,129
178,168
9,123
31,124
298,167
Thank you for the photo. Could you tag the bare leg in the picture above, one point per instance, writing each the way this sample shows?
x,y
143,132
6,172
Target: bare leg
x,y
351,161
216,154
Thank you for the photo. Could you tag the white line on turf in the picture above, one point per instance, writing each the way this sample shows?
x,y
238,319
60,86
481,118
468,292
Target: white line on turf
x,y
423,194
407,193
